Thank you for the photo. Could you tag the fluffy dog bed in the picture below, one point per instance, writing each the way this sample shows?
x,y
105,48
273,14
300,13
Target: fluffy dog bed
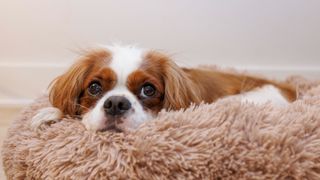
x,y
223,140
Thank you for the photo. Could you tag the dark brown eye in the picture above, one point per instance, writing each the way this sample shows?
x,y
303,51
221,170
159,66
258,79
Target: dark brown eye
x,y
147,90
95,89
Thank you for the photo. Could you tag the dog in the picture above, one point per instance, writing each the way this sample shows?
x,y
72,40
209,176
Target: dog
x,y
117,88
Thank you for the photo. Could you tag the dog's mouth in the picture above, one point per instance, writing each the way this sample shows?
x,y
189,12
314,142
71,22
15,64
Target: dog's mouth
x,y
112,128
112,125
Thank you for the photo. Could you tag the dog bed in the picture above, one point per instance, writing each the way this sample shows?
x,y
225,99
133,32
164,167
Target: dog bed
x,y
222,140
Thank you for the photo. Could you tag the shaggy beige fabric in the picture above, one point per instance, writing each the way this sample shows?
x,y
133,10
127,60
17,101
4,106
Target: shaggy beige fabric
x,y
223,140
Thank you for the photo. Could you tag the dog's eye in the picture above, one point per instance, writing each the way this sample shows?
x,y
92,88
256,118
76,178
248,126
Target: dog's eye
x,y
94,89
148,90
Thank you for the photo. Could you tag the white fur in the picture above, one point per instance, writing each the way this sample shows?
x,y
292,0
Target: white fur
x,y
96,120
267,93
125,60
45,115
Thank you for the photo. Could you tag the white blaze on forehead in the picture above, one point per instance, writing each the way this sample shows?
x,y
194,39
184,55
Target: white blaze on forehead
x,y
125,60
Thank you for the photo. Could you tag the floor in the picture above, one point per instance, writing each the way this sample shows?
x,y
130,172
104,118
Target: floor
x,y
6,116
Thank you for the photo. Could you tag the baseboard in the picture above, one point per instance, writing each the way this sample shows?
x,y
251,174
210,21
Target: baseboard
x,y
22,82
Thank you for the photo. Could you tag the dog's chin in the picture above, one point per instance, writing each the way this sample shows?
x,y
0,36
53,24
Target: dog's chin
x,y
122,124
112,128
114,125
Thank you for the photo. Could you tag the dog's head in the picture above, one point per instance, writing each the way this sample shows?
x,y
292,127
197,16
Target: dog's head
x,y
118,88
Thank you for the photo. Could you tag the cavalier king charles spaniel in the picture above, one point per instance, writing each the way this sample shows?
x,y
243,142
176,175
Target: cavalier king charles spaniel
x,y
118,88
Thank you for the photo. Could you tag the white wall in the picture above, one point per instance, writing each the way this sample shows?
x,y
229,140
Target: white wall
x,y
39,38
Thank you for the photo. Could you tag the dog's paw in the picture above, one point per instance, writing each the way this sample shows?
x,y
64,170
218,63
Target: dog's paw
x,y
47,115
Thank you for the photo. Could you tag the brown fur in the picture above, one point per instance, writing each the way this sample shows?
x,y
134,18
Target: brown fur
x,y
67,88
176,87
222,140
107,79
135,82
184,86
215,84
179,90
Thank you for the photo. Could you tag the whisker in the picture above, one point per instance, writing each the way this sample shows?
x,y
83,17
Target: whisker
x,y
82,106
77,104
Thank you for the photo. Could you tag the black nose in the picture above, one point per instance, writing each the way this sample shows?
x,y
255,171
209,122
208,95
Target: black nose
x,y
116,105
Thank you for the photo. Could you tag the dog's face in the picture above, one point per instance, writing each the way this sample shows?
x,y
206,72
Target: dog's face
x,y
118,88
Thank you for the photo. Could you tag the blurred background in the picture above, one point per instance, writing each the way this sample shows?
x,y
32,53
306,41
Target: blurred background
x,y
39,39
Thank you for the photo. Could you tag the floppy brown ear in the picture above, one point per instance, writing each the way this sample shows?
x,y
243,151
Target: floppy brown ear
x,y
66,89
180,90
